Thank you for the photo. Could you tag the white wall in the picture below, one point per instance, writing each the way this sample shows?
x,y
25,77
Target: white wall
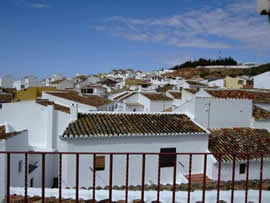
x,y
6,81
82,108
262,80
182,143
254,171
223,113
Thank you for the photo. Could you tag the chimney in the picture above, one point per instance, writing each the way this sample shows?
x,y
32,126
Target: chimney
x,y
74,112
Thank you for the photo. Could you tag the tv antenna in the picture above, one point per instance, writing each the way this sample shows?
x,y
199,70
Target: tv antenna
x,y
263,8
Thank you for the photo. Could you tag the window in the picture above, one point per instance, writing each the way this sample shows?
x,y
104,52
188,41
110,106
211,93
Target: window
x,y
90,91
134,110
240,82
20,166
100,163
167,160
242,168
32,182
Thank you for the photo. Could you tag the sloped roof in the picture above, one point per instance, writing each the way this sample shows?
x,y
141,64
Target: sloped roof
x,y
157,96
192,90
176,95
5,98
255,95
191,82
239,140
128,124
121,95
56,106
5,135
90,100
260,114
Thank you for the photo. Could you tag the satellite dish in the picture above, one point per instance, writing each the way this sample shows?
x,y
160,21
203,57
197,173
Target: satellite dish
x,y
263,7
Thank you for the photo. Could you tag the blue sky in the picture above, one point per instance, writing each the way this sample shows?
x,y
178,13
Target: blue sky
x,y
43,37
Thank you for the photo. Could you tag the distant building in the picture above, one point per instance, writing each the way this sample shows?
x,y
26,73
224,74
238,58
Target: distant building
x,y
262,81
238,82
6,81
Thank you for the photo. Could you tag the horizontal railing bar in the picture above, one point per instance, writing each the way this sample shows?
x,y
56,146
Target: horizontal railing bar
x,y
133,153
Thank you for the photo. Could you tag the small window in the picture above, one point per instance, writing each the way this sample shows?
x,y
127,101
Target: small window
x,y
20,166
100,163
242,168
0,106
167,160
134,110
240,82
32,182
90,91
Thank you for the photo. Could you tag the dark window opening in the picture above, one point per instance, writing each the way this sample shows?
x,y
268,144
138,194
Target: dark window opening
x,y
100,163
20,166
32,182
242,168
167,160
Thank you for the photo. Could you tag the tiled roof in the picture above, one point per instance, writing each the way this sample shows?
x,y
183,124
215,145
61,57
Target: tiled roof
x,y
4,134
157,96
239,140
190,82
90,100
5,98
176,95
256,96
128,124
192,90
260,114
56,106
121,95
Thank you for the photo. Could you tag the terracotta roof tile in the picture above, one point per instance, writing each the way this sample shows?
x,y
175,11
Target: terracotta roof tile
x,y
6,98
260,114
239,140
256,96
90,100
56,106
4,134
192,90
176,95
157,96
121,95
117,124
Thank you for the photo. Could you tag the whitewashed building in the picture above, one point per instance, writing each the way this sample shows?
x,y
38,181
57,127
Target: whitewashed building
x,y
85,104
143,101
131,132
6,81
262,80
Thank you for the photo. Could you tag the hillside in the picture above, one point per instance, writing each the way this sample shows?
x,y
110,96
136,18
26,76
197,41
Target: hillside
x,y
208,73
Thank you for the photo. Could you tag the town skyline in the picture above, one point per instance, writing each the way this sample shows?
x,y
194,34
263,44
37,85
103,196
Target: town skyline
x,y
41,37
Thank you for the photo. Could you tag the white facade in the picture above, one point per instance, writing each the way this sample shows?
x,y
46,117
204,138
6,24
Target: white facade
x,y
262,81
218,113
138,102
19,85
6,81
217,83
65,84
182,143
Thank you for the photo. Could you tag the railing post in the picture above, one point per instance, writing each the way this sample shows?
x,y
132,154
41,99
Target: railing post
x,y
219,174
174,178
25,176
189,177
94,178
127,166
60,178
8,178
143,177
43,178
204,177
77,176
233,177
261,179
110,181
158,182
246,193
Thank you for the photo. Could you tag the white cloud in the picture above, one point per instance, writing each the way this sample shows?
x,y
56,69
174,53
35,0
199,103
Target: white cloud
x,y
39,5
235,25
